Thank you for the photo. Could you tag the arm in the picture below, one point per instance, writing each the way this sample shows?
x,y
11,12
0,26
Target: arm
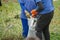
x,y
22,4
39,8
23,8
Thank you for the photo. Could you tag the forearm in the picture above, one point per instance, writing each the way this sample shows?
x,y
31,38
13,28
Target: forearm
x,y
24,10
22,6
40,6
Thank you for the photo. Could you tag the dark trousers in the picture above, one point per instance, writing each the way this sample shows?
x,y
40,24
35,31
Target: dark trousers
x,y
43,25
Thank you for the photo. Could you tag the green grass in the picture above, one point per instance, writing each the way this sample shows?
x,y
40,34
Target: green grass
x,y
55,24
10,23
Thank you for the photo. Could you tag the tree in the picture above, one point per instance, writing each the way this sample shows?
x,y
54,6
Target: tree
x,y
0,3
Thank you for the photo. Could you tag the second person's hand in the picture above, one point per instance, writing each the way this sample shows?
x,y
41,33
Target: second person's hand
x,y
34,13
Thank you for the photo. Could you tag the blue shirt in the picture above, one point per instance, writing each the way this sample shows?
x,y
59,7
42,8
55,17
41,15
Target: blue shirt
x,y
31,4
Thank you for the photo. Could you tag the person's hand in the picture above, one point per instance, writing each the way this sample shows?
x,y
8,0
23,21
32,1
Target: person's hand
x,y
27,14
34,13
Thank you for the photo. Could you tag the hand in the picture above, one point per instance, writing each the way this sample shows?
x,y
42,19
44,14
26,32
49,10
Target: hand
x,y
27,14
34,13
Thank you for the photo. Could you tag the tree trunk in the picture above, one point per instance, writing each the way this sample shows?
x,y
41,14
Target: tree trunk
x,y
0,3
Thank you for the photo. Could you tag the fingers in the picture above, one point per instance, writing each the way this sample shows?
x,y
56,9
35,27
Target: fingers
x,y
27,14
34,13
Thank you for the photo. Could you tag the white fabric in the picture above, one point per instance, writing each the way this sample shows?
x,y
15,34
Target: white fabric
x,y
32,24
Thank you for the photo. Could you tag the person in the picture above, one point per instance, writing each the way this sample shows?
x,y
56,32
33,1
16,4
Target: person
x,y
45,9
23,19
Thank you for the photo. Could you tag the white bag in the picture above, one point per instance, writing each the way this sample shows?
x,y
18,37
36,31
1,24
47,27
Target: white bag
x,y
32,33
32,24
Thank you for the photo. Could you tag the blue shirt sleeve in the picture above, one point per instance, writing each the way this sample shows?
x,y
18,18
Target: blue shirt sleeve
x,y
22,4
37,1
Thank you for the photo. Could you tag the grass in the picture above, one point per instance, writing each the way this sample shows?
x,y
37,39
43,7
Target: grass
x,y
55,24
10,24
